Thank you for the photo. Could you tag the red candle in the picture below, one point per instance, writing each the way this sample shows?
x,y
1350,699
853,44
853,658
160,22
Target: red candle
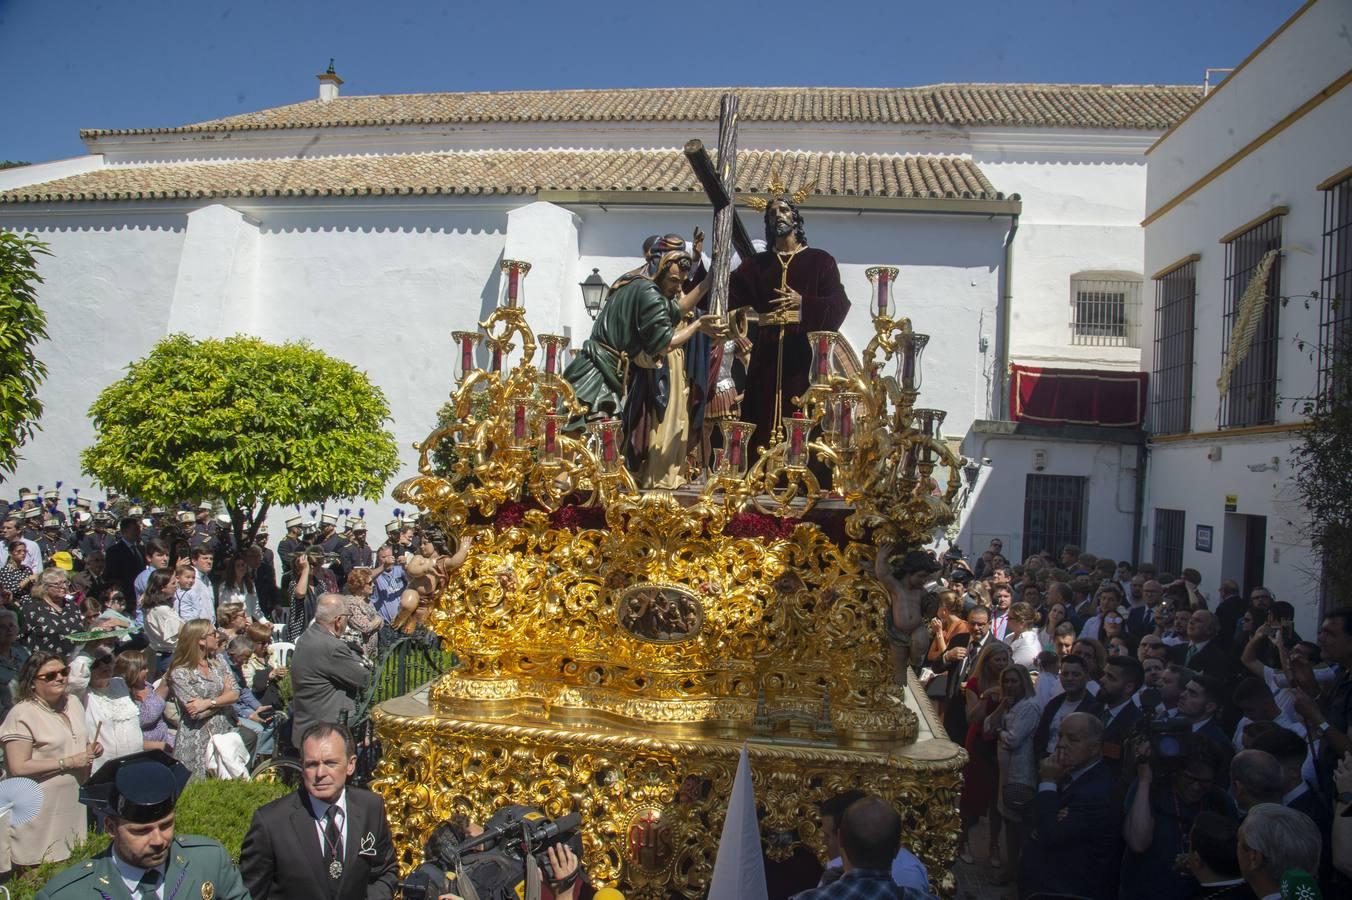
x,y
608,446
823,356
882,292
796,442
521,421
846,422
513,284
551,357
551,436
908,365
735,451
467,357
497,359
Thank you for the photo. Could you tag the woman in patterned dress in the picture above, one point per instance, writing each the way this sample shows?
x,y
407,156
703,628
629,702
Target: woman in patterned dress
x,y
48,617
133,667
203,693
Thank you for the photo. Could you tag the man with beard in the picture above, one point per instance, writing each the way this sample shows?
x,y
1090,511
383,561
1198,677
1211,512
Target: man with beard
x,y
794,289
630,351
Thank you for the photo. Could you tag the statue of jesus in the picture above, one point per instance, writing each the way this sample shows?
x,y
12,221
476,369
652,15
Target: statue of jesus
x,y
794,289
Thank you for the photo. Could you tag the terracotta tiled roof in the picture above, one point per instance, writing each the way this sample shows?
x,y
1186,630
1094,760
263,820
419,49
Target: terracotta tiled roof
x,y
513,172
1143,107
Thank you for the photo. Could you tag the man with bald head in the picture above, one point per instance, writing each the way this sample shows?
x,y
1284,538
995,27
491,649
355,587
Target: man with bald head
x,y
1076,842
326,673
869,833
1203,653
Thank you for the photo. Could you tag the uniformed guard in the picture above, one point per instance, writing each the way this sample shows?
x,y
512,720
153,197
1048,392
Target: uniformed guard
x,y
292,543
135,796
51,504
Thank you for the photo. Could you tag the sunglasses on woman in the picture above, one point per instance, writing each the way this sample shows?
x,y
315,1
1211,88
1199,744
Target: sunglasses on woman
x,y
52,676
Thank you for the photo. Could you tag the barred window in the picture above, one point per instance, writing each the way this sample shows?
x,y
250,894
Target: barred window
x,y
1105,309
1053,513
1252,395
1167,546
1175,326
1335,318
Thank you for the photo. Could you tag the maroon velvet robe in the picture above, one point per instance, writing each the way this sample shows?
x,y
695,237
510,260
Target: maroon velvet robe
x,y
813,274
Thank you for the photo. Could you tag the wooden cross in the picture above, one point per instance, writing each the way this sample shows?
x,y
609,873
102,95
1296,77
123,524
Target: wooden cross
x,y
720,184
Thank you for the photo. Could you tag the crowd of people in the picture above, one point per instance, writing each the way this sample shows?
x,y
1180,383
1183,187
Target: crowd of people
x,y
1128,734
124,631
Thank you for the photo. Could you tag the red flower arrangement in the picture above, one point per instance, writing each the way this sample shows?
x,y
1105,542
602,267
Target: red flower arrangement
x,y
759,525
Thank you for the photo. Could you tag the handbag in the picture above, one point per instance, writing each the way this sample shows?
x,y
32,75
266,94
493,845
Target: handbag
x,y
1018,797
227,757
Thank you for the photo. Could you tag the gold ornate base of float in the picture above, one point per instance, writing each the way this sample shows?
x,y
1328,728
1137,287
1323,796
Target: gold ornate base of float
x,y
653,805
618,648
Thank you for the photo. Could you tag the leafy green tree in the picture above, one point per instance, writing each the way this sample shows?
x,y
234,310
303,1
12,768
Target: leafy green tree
x,y
22,326
255,424
1324,473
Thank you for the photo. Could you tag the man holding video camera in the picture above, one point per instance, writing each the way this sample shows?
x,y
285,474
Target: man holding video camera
x,y
1162,802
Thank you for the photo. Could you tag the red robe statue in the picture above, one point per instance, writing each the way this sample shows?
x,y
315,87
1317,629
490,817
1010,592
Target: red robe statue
x,y
813,274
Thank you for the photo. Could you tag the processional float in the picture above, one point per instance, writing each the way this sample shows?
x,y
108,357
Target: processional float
x,y
619,647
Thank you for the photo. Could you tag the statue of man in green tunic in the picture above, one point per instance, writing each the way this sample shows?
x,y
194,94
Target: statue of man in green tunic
x,y
635,333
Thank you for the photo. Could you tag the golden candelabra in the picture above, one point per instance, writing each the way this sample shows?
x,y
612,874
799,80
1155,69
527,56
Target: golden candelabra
x,y
618,647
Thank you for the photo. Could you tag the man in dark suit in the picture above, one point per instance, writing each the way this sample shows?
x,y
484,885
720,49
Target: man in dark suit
x,y
1075,846
1141,619
1122,678
326,673
125,560
327,841
1074,697
1203,653
958,662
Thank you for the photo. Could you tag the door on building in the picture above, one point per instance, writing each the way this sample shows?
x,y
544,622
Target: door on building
x,y
1244,557
1053,514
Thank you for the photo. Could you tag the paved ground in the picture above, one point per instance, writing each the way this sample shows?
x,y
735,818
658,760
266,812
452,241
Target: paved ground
x,y
974,881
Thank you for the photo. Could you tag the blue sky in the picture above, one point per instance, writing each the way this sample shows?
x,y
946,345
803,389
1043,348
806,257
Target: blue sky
x,y
71,64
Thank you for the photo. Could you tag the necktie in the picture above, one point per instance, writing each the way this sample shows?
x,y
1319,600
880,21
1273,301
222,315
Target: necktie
x,y
333,840
149,884
1192,651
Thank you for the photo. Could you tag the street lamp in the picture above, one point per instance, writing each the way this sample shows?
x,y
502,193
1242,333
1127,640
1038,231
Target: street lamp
x,y
594,291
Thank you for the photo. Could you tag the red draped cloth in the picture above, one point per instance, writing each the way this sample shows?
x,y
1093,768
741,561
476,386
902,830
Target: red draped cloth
x,y
1077,397
813,274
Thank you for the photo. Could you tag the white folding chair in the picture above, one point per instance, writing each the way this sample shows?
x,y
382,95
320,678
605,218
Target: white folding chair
x,y
279,654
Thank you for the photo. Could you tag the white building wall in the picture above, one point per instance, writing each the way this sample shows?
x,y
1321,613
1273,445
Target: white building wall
x,y
1299,63
382,283
1081,212
108,289
995,508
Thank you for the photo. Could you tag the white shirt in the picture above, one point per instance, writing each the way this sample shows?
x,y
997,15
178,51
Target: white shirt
x,y
321,809
33,560
131,875
1068,706
1025,648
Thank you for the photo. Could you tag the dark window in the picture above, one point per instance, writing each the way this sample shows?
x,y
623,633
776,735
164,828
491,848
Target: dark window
x,y
1105,312
1167,554
1335,319
1252,395
1175,325
1053,513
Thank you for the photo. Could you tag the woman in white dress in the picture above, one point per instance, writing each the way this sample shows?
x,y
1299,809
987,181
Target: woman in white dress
x,y
111,712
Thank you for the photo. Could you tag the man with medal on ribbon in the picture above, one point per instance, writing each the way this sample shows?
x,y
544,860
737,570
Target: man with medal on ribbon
x,y
328,840
134,795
